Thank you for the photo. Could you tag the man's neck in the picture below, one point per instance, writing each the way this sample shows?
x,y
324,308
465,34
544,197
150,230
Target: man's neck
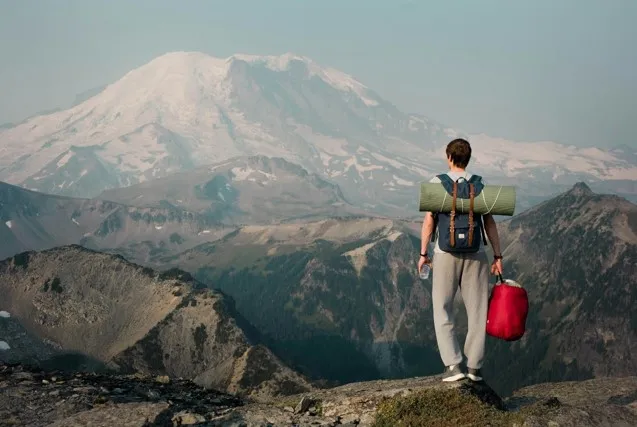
x,y
457,169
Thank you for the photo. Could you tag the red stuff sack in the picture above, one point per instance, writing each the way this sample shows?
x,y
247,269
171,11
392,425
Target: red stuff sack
x,y
508,308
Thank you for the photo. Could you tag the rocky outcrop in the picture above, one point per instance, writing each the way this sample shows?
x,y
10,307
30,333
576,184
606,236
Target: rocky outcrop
x,y
133,319
37,398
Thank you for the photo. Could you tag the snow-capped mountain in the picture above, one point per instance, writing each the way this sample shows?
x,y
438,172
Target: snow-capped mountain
x,y
184,110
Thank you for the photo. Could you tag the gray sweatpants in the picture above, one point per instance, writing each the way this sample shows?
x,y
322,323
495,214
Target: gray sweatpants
x,y
471,273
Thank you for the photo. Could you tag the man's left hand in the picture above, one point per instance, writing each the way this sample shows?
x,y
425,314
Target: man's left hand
x,y
496,267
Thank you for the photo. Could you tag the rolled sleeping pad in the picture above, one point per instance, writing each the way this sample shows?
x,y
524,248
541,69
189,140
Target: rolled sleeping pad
x,y
494,199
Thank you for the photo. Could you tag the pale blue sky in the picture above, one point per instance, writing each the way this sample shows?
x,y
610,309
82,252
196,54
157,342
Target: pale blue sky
x,y
564,70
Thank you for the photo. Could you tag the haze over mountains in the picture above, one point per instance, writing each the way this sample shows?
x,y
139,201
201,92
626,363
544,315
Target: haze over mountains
x,y
186,109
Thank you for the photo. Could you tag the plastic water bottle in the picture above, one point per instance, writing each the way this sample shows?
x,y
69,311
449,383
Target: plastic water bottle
x,y
424,272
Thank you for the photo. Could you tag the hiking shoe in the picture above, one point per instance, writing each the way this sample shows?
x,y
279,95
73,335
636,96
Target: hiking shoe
x,y
474,374
453,373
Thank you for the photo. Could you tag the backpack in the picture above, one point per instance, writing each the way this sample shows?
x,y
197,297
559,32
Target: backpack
x,y
459,232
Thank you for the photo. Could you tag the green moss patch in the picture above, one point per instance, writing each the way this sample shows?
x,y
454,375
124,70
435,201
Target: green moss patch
x,y
442,408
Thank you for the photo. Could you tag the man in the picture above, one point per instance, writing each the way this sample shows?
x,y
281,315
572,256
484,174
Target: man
x,y
470,272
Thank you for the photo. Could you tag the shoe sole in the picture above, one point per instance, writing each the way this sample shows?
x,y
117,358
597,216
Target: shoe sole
x,y
474,378
453,378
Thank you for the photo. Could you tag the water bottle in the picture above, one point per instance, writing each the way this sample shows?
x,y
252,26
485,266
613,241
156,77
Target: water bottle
x,y
424,272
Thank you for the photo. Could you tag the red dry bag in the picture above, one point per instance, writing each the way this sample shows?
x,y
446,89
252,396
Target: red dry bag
x,y
508,308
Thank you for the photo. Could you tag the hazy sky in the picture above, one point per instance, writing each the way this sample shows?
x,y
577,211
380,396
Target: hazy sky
x,y
564,70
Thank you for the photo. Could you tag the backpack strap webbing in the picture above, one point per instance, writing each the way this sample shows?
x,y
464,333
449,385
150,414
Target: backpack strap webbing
x,y
474,179
452,222
433,231
471,224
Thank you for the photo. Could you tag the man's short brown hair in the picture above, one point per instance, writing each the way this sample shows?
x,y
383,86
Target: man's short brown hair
x,y
459,151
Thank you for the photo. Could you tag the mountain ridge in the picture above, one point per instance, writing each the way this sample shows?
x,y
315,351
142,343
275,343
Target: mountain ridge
x,y
175,212
33,220
134,319
575,254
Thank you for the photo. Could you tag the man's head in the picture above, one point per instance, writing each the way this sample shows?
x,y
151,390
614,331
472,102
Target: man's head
x,y
458,153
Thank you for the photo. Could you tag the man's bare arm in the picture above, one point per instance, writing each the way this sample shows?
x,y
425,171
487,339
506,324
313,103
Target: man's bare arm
x,y
427,230
492,233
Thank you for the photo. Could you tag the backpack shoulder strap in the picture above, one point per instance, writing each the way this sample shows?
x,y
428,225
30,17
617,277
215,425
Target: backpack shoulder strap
x,y
443,177
475,178
446,182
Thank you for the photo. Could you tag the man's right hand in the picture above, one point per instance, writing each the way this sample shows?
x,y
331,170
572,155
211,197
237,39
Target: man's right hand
x,y
422,261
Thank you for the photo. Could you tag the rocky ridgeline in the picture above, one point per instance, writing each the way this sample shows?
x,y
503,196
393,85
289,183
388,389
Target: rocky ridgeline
x,y
35,398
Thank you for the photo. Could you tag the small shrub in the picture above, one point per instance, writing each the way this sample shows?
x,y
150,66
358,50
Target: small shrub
x,y
147,271
176,274
176,238
56,285
21,260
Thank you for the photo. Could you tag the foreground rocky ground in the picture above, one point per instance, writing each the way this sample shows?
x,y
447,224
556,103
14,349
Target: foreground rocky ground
x,y
35,398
